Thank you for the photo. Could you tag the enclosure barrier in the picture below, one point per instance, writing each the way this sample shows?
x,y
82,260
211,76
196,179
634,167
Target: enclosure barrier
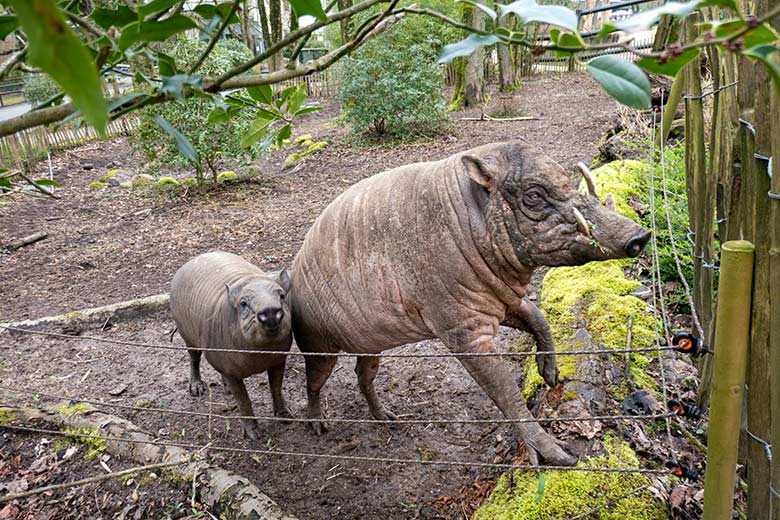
x,y
26,146
732,334
672,467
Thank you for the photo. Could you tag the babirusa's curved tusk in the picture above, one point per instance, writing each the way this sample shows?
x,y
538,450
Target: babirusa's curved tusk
x,y
589,180
582,224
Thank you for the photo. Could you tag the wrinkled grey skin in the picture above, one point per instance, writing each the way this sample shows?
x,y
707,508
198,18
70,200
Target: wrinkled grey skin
x,y
446,249
221,301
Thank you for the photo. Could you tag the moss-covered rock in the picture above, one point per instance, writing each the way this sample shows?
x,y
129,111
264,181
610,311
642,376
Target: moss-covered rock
x,y
96,185
189,181
595,296
167,181
562,494
110,174
142,180
227,177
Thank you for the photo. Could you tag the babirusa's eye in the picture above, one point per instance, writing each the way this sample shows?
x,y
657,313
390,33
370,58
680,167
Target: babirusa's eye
x,y
533,197
243,304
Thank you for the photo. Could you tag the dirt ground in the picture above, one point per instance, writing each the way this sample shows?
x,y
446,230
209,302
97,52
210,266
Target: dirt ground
x,y
110,245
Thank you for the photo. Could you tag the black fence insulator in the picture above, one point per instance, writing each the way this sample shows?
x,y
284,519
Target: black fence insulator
x,y
689,344
682,470
684,409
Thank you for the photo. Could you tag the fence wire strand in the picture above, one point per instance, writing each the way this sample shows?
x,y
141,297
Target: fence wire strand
x,y
95,402
158,346
330,456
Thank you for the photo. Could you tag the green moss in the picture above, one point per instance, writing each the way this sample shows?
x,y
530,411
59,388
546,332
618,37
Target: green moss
x,y
622,180
76,436
227,177
303,138
6,416
73,410
313,147
96,185
562,494
291,161
167,181
189,181
145,403
426,454
110,174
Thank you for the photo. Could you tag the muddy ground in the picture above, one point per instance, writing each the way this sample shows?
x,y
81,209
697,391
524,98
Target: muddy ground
x,y
110,245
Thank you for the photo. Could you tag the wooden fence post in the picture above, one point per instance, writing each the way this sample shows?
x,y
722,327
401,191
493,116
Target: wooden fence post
x,y
732,334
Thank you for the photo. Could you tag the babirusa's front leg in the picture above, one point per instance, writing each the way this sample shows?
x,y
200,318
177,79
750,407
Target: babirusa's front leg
x,y
529,318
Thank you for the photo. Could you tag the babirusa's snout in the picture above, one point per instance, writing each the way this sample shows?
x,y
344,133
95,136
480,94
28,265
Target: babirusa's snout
x,y
636,244
270,317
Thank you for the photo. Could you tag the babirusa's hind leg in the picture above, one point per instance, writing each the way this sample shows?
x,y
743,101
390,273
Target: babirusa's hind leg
x,y
366,369
318,370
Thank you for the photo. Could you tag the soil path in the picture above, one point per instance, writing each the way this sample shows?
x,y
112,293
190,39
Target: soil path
x,y
110,245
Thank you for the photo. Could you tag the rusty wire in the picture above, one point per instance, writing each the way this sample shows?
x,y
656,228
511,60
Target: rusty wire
x,y
590,352
170,411
353,458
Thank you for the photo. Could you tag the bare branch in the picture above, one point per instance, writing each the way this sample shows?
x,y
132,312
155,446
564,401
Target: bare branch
x,y
12,62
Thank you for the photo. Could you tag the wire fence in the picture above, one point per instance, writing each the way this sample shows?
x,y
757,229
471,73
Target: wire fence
x,y
158,346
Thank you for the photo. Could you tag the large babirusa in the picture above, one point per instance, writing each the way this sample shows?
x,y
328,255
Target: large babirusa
x,y
222,302
446,249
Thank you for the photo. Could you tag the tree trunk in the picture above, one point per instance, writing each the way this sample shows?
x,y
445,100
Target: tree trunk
x,y
264,24
506,77
344,25
246,26
474,74
275,22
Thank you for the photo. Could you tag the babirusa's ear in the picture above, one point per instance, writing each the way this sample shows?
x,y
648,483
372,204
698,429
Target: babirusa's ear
x,y
283,278
482,170
232,295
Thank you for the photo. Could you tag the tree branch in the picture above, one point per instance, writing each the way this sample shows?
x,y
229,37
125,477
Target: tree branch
x,y
11,63
290,38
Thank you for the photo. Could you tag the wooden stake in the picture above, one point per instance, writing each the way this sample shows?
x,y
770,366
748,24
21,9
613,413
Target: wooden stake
x,y
731,347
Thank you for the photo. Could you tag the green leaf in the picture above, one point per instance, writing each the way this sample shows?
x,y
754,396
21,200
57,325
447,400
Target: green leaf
x,y
465,47
760,35
155,6
47,182
166,65
182,143
671,67
263,93
256,131
529,11
5,183
540,488
54,48
297,98
283,134
306,110
221,115
554,35
647,19
622,80
568,40
8,24
482,7
210,11
176,85
119,17
769,55
154,31
309,7
605,31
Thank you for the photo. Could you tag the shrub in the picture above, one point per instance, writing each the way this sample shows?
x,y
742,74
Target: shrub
x,y
213,141
388,87
38,88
